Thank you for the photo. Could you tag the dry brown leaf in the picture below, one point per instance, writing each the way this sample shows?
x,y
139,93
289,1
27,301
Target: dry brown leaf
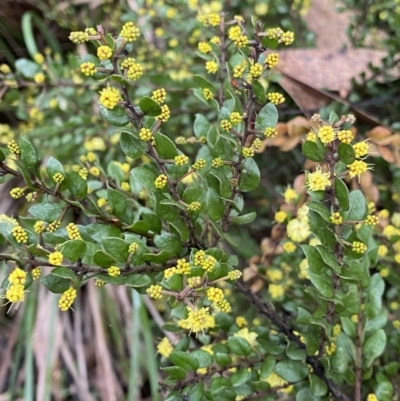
x,y
380,135
298,126
387,154
299,184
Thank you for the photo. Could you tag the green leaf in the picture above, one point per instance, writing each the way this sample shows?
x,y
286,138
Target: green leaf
x,y
137,280
201,126
315,262
323,283
384,391
131,146
329,258
100,231
267,367
149,106
291,371
184,360
160,257
166,149
303,316
321,209
317,385
66,273
117,201
46,211
222,359
346,153
27,68
73,250
294,352
204,358
117,248
374,347
56,284
267,117
319,228
53,166
117,116
214,205
144,175
259,91
250,177
244,219
351,303
333,118
358,208
29,154
305,395
311,150
203,83
218,384
76,185
175,372
342,194
169,242
239,346
196,392
103,259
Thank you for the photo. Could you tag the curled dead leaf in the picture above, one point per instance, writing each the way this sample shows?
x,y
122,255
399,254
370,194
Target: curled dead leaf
x,y
299,184
380,135
298,126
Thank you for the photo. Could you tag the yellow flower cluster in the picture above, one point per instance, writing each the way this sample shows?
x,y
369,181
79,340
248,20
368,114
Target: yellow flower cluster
x,y
17,192
164,347
215,294
247,152
194,207
39,78
54,226
330,349
129,32
165,113
36,272
224,306
358,247
234,275
13,147
133,248
239,70
207,93
208,263
212,19
345,136
56,258
128,62
274,33
99,283
272,60
39,227
256,70
276,291
31,196
318,180
289,247
154,291
104,52
17,276
384,272
204,47
241,322
241,41
226,125
287,38
88,69
197,320
235,118
336,218
372,220
199,257
161,181
159,95
270,132
372,397
194,282
326,134
280,216
181,160
20,235
15,293
199,164
95,171
211,67
217,162
109,97
83,172
234,32
361,149
73,231
145,134
58,178
357,168
290,194
134,72
256,144
275,98
78,37
67,299
114,271
183,266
